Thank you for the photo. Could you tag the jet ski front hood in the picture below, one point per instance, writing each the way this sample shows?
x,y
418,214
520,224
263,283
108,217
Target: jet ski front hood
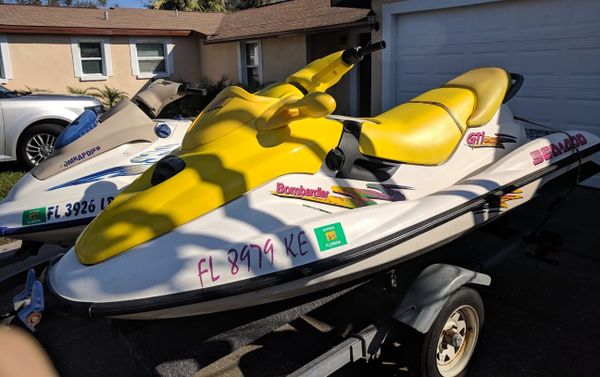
x,y
223,156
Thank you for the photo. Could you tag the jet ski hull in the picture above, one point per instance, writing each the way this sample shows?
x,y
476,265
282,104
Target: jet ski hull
x,y
375,238
57,209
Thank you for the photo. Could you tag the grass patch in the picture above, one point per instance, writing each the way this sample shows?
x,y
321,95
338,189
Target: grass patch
x,y
7,181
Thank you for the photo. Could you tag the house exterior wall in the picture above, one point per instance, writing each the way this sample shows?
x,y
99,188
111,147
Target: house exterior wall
x,y
282,57
46,62
218,60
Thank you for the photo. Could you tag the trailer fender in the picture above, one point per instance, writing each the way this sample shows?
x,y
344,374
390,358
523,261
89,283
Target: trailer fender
x,y
429,292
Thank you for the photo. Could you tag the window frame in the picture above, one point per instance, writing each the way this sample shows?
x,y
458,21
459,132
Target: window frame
x,y
243,67
77,59
135,60
5,62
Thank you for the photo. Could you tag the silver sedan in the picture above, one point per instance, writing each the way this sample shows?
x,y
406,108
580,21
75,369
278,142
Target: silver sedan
x,y
30,124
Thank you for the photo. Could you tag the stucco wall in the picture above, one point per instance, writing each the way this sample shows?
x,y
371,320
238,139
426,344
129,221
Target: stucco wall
x,y
282,57
220,59
45,62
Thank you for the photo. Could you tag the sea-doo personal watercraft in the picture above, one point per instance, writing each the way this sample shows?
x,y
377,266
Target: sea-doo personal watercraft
x,y
270,197
95,157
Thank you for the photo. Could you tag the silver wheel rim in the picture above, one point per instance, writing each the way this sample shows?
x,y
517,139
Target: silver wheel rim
x,y
39,147
457,341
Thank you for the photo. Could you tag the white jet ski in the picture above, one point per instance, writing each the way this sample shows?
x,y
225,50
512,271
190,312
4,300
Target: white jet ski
x,y
95,157
270,197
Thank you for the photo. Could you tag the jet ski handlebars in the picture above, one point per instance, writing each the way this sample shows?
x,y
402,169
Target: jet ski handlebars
x,y
323,73
356,54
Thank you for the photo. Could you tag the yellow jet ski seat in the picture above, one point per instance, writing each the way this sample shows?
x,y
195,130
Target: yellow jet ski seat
x,y
427,129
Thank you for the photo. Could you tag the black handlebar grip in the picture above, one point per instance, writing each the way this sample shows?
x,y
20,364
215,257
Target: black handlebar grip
x,y
355,54
372,48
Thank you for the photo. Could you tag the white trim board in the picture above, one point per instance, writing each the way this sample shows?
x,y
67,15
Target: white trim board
x,y
6,62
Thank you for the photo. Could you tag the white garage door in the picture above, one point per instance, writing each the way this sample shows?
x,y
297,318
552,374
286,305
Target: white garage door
x,y
554,44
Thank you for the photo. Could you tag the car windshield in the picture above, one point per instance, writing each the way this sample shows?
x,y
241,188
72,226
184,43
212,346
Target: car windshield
x,y
6,93
86,122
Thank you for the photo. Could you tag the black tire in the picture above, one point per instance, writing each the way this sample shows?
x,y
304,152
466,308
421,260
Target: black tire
x,y
423,349
39,132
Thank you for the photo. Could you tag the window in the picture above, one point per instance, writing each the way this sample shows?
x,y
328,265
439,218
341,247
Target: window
x,y
151,58
251,69
5,66
91,58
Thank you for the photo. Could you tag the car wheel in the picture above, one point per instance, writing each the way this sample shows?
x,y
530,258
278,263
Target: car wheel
x,y
37,143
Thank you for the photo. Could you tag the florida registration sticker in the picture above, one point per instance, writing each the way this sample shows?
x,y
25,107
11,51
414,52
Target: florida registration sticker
x,y
34,216
330,236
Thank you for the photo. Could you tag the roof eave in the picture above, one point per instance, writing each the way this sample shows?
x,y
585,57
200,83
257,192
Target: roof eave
x,y
288,32
14,29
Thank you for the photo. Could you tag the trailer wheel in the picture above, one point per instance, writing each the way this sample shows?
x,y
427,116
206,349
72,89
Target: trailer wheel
x,y
446,349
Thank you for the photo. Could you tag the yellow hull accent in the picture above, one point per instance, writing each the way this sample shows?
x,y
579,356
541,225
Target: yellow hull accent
x,y
223,160
214,175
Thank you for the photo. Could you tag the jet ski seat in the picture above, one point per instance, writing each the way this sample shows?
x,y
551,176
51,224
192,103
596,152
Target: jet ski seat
x,y
427,129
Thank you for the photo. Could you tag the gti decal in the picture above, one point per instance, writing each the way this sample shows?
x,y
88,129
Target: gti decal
x,y
81,156
553,150
480,140
348,197
119,171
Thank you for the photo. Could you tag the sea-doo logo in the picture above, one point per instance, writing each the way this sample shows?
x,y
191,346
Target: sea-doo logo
x,y
82,156
548,152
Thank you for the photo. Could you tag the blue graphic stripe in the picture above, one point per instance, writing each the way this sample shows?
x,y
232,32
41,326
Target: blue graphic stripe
x,y
119,171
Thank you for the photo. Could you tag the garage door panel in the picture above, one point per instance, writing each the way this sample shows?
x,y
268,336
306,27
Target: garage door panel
x,y
555,44
449,64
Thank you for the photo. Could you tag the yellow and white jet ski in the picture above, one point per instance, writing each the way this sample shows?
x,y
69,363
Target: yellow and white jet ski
x,y
271,197
95,157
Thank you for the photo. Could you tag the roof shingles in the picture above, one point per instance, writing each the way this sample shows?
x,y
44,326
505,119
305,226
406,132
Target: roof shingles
x,y
285,17
119,18
277,18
